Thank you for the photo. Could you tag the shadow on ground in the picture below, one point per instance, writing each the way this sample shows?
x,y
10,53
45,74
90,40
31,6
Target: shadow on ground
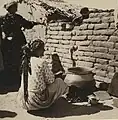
x,y
63,109
4,114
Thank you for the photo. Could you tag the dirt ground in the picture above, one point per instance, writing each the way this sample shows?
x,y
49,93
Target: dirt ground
x,y
61,110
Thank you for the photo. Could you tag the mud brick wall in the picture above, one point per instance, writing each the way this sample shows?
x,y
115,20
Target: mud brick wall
x,y
96,40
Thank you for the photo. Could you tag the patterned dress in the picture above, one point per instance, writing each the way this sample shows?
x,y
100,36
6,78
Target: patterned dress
x,y
43,88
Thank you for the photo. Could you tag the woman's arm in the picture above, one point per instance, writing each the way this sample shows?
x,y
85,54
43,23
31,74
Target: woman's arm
x,y
28,24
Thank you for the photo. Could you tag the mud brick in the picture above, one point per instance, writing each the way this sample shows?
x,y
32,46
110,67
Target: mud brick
x,y
65,60
110,75
80,53
92,20
93,15
55,45
108,19
87,59
65,46
83,43
65,42
66,37
116,57
111,69
47,36
101,49
86,32
116,69
104,14
100,73
100,66
53,24
85,64
79,37
53,41
103,44
62,50
103,79
102,61
101,26
83,27
103,32
98,38
83,48
116,45
113,39
103,55
91,26
112,26
67,65
56,37
88,54
56,28
113,51
113,63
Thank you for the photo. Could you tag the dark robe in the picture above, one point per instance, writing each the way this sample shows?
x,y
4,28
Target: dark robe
x,y
11,25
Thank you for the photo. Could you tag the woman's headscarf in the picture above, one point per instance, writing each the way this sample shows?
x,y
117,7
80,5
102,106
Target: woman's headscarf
x,y
25,64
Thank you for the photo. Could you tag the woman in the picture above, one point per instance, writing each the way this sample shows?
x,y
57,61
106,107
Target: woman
x,y
39,88
13,40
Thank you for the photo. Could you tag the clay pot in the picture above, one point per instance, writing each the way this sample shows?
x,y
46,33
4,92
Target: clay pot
x,y
78,76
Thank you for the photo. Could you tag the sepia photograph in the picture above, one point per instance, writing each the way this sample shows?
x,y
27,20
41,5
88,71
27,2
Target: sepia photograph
x,y
59,59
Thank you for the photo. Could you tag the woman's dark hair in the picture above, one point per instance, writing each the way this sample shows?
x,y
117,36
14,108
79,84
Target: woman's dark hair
x,y
25,63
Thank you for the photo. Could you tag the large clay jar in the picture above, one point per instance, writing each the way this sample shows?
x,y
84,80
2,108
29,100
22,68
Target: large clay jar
x,y
79,77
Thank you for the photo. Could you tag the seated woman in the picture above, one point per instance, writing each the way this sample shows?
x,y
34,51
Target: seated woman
x,y
39,88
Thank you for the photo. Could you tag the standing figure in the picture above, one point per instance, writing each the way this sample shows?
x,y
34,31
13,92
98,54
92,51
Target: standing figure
x,y
13,40
39,88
